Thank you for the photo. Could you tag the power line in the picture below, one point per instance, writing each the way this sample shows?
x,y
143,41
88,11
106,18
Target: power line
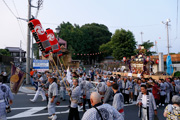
x,y
9,9
19,22
136,26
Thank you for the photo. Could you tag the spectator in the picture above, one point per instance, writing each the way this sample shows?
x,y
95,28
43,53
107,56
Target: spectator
x,y
172,112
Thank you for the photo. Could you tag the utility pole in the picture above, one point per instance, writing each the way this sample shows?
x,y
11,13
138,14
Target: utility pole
x,y
141,37
32,53
20,59
167,25
28,45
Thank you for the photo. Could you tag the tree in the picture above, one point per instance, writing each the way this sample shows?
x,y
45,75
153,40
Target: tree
x,y
36,50
85,39
123,44
148,45
5,52
106,49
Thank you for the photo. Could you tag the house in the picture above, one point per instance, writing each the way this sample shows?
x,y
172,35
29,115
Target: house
x,y
15,54
62,43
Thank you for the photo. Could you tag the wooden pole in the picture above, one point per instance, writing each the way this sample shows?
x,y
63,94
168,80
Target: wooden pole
x,y
61,66
60,74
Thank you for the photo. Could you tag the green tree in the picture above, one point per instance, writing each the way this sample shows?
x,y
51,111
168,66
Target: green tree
x,y
5,52
106,48
85,39
36,50
148,45
123,44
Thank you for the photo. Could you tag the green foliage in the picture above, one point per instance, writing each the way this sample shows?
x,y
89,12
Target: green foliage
x,y
177,74
5,52
36,50
85,39
106,48
147,45
123,44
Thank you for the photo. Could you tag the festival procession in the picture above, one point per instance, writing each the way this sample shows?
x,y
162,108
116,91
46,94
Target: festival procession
x,y
90,71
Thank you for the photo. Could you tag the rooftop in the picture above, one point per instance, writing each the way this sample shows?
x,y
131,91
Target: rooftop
x,y
14,49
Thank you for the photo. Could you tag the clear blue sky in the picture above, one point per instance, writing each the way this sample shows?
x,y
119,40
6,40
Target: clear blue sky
x,y
134,15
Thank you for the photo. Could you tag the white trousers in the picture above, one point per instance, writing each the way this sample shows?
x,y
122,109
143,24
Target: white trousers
x,y
42,92
52,106
143,114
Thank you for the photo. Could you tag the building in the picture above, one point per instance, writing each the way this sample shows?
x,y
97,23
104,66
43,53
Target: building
x,y
62,43
15,54
175,58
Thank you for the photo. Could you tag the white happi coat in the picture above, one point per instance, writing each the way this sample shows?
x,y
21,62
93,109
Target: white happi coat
x,y
52,91
137,89
75,95
163,89
102,87
107,111
150,103
118,102
125,87
5,92
88,86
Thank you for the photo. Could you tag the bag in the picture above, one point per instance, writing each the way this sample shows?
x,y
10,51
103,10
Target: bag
x,y
8,109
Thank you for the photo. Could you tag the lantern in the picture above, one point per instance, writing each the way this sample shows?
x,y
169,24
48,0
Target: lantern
x,y
157,61
124,59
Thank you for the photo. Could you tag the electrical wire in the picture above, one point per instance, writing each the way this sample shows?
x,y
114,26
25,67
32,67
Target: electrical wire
x,y
135,26
19,22
9,9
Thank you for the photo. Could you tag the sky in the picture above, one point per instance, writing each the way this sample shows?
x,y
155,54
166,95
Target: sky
x,y
135,15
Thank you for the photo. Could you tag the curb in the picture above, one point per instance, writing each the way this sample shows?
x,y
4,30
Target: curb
x,y
26,90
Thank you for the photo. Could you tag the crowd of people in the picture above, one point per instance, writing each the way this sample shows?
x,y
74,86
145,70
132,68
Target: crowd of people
x,y
106,94
99,90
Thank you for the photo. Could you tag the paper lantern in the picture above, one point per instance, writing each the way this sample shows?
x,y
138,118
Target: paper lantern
x,y
124,59
157,61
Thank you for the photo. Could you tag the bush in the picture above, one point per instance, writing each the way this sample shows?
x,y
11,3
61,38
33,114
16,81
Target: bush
x,y
177,74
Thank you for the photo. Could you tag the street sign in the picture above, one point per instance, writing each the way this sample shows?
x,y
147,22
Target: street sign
x,y
41,65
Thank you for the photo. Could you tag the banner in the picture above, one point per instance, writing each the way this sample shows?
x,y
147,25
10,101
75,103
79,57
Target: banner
x,y
17,77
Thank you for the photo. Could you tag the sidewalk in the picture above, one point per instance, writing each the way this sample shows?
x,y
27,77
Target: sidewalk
x,y
27,89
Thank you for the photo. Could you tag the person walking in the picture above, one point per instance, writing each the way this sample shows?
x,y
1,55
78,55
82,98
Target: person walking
x,y
52,96
147,104
6,98
39,90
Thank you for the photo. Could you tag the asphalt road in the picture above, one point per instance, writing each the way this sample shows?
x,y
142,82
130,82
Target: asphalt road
x,y
23,109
